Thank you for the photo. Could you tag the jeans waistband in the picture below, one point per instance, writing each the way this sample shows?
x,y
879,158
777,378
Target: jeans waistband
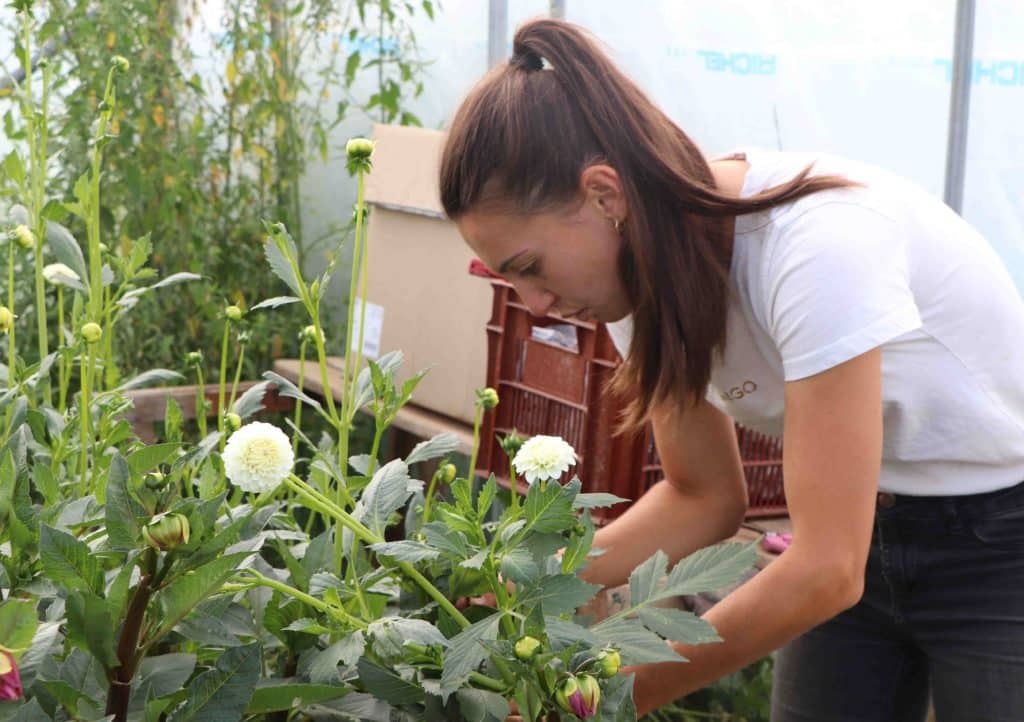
x,y
968,505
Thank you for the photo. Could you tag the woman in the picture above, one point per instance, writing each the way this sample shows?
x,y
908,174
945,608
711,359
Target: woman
x,y
805,296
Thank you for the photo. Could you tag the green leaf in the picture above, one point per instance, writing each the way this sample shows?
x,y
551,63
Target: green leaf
x,y
578,548
68,561
273,695
593,500
643,582
222,694
678,625
616,703
18,623
184,593
560,594
635,643
122,511
15,168
406,551
548,507
67,250
442,538
433,448
149,457
287,388
351,66
519,566
251,401
150,378
564,634
275,302
388,686
281,266
480,705
347,651
385,494
162,675
90,627
486,497
400,630
466,651
708,569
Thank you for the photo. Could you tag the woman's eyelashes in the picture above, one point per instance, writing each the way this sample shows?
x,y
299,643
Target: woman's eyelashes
x,y
530,269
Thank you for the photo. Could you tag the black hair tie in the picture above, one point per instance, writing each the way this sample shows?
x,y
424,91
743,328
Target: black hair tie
x,y
528,60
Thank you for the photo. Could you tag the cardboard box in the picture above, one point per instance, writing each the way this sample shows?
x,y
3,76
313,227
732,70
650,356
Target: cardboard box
x,y
430,308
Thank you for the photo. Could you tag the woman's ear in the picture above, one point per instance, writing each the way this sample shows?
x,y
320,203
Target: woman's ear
x,y
600,185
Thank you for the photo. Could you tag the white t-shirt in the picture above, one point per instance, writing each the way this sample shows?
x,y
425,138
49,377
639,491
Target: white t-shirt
x,y
837,273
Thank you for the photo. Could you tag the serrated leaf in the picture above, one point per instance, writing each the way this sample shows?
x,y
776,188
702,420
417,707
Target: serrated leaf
x,y
176,278
388,686
385,494
708,569
181,596
560,594
251,401
90,627
548,507
122,511
150,378
405,551
635,643
162,675
519,566
617,700
564,634
279,695
480,705
346,650
287,388
678,625
149,457
69,561
466,651
360,462
433,448
222,694
66,249
281,267
438,536
643,582
477,560
275,302
594,500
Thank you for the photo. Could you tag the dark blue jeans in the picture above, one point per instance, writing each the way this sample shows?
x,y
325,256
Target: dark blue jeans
x,y
942,614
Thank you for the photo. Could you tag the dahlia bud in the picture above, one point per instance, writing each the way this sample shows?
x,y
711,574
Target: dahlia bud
x,y
166,532
6,319
193,358
608,662
487,398
447,474
25,237
579,695
155,480
511,443
527,648
308,334
234,421
103,247
120,63
233,313
314,288
359,148
244,337
10,677
92,332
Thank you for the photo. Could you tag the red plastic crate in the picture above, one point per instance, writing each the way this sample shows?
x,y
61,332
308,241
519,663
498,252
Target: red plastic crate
x,y
547,389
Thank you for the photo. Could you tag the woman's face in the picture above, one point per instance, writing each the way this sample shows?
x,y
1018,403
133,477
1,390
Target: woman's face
x,y
564,261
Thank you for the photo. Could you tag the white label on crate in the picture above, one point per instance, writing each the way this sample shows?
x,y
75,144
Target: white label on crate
x,y
559,334
374,326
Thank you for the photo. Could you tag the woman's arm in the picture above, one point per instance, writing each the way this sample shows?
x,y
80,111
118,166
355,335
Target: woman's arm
x,y
701,500
833,447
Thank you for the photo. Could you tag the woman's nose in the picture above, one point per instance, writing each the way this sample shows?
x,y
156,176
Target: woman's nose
x,y
538,300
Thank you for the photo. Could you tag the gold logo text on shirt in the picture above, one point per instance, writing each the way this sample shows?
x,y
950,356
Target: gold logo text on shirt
x,y
738,392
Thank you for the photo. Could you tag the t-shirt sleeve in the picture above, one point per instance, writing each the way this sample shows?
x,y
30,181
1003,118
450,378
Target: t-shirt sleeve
x,y
837,285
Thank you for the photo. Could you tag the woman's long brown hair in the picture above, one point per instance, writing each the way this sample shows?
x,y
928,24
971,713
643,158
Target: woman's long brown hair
x,y
527,131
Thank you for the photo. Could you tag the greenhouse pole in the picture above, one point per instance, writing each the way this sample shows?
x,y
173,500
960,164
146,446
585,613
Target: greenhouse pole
x,y
959,105
497,32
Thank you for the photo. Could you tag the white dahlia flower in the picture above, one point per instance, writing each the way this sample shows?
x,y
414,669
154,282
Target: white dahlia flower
x,y
258,457
544,457
59,274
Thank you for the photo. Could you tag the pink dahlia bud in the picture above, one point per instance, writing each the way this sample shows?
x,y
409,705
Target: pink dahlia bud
x,y
10,678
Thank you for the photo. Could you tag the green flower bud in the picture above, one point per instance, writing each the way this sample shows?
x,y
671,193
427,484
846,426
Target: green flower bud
x,y
92,332
590,696
244,337
565,691
120,63
527,648
233,420
314,288
511,443
608,662
166,532
487,398
25,237
278,228
308,334
103,248
359,148
233,313
6,319
155,480
193,358
447,473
